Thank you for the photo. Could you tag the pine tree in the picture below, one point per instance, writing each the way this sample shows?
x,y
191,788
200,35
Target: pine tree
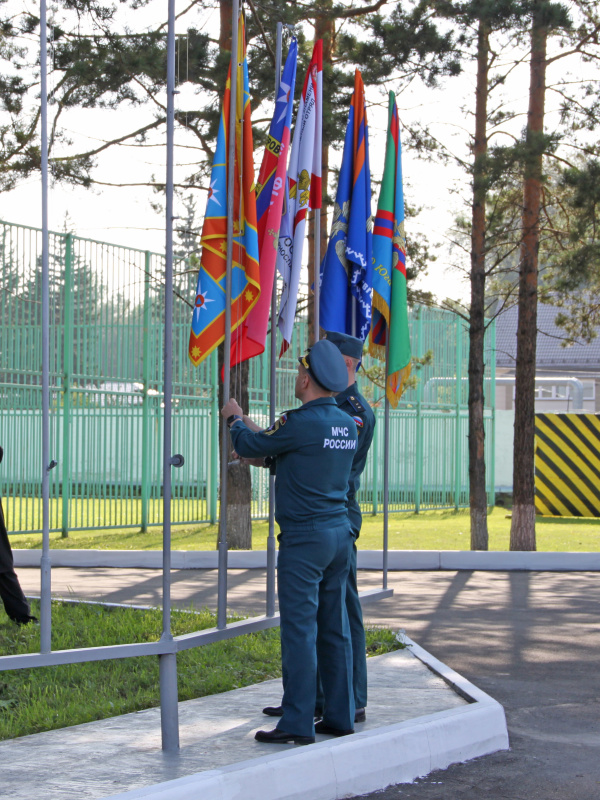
x,y
546,18
480,23
571,248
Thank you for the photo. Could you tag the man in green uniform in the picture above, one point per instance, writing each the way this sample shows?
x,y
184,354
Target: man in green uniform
x,y
354,404
314,446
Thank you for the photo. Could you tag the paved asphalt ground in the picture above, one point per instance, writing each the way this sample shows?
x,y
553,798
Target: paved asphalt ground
x,y
531,640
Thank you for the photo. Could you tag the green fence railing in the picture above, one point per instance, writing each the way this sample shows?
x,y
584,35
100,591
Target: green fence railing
x,y
106,396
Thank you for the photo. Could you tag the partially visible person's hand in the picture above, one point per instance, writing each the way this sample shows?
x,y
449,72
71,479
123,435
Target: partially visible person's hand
x,y
253,462
231,407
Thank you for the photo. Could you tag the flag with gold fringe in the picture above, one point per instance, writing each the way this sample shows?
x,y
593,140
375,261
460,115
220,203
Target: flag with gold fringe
x,y
390,307
208,318
303,191
249,340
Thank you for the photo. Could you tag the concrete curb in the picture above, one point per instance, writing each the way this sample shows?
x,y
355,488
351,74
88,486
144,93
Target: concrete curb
x,y
358,764
398,560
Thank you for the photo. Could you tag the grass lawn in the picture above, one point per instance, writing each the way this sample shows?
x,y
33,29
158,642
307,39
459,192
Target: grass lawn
x,y
44,698
429,530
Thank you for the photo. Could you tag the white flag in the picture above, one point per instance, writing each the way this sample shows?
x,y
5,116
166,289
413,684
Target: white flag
x,y
303,191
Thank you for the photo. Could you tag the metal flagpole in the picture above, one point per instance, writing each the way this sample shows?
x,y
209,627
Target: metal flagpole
x,y
45,576
222,579
317,271
271,550
169,714
317,251
386,464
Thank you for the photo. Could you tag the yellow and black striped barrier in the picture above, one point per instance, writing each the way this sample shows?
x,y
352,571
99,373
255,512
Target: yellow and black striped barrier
x,y
567,465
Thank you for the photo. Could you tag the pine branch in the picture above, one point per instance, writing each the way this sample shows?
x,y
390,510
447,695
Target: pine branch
x,y
359,12
579,48
263,32
108,144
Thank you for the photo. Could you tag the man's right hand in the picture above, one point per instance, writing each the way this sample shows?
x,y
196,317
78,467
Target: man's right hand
x,y
231,408
253,462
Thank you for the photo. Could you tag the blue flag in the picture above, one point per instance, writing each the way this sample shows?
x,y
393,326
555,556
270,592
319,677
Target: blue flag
x,y
347,269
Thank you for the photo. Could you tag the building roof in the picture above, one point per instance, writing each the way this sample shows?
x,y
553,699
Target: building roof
x,y
551,354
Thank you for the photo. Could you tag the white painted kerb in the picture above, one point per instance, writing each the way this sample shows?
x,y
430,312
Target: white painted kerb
x,y
364,762
398,560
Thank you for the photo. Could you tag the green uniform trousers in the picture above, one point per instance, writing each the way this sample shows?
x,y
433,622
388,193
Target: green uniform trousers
x,y
312,572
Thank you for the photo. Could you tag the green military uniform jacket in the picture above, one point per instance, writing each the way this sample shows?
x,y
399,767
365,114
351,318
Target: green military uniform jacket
x,y
354,404
315,446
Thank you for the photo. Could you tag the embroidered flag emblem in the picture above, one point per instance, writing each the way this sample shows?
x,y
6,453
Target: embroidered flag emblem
x,y
277,424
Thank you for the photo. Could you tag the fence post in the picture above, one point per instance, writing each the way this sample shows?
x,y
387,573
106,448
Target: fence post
x,y
457,436
68,346
146,400
419,420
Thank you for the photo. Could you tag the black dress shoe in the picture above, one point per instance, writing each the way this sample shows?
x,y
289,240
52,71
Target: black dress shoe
x,y
273,711
360,715
322,727
277,736
277,711
25,620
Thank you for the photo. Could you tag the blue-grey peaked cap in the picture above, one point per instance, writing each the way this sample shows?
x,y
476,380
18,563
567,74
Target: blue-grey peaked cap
x,y
346,344
325,364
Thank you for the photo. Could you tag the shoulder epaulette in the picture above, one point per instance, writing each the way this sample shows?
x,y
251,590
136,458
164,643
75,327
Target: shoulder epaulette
x,y
356,404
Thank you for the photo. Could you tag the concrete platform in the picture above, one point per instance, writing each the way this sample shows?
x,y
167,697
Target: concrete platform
x,y
421,716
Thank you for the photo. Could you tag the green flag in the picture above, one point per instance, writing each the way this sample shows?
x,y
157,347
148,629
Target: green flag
x,y
390,308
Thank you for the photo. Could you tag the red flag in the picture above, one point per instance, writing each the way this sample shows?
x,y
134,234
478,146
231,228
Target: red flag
x,y
270,191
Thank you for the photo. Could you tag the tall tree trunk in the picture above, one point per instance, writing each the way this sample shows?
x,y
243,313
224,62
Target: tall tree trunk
x,y
239,484
522,532
225,24
325,30
477,491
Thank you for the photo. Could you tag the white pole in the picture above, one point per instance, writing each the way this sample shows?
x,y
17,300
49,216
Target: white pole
x,y
386,464
45,571
271,549
169,713
317,268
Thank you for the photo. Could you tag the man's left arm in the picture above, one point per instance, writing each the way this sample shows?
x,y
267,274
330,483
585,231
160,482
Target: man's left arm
x,y
365,423
277,439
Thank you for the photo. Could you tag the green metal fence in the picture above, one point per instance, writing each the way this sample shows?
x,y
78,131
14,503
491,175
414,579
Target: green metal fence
x,y
106,354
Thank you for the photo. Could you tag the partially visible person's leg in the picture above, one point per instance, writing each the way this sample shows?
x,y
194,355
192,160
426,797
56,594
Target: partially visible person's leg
x,y
302,559
334,645
359,646
15,602
357,633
